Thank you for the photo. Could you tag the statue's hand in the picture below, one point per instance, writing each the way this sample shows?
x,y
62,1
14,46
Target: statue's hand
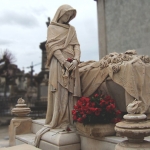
x,y
67,65
74,63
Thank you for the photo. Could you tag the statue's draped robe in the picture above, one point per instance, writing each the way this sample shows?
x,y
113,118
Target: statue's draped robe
x,y
63,86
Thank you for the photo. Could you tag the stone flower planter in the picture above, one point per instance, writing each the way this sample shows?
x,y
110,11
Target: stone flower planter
x,y
96,131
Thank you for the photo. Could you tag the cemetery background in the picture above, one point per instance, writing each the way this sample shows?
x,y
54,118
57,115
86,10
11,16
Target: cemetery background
x,y
15,83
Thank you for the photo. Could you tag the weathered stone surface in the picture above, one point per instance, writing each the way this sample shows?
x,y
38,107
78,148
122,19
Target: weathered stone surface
x,y
19,126
124,25
98,130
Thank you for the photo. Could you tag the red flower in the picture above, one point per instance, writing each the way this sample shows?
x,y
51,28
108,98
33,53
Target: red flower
x,y
111,101
69,59
84,99
88,109
107,102
79,103
68,129
92,109
107,98
75,118
88,112
102,103
74,112
96,95
81,112
97,112
75,107
110,107
115,120
84,116
93,104
118,112
80,120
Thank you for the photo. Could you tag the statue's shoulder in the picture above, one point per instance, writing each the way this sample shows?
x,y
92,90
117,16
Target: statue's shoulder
x,y
52,29
72,27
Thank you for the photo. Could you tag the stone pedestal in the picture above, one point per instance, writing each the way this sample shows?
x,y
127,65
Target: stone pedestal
x,y
20,124
135,127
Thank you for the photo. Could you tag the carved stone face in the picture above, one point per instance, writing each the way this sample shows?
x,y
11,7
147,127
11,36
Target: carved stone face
x,y
66,17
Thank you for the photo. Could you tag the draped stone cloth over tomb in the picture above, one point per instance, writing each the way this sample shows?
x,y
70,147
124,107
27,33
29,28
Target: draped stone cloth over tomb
x,y
129,70
64,85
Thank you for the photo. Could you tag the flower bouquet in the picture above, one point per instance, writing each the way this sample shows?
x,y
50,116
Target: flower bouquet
x,y
96,109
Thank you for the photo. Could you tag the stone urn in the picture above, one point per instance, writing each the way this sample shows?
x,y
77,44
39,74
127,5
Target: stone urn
x,y
135,127
21,109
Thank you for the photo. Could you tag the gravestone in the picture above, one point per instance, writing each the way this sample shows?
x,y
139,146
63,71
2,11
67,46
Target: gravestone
x,y
123,25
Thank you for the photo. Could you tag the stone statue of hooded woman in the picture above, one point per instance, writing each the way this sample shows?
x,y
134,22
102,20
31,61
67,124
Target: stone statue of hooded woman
x,y
63,56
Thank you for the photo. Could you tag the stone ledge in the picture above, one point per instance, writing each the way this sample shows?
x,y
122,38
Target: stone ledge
x,y
26,138
21,147
39,121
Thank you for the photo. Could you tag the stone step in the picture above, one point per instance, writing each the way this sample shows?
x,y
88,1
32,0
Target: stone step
x,y
56,139
37,125
52,139
21,147
29,138
25,139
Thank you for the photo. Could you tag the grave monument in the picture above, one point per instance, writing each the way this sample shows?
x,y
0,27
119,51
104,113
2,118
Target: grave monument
x,y
113,37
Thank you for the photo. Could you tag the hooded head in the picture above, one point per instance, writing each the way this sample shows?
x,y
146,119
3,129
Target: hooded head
x,y
62,11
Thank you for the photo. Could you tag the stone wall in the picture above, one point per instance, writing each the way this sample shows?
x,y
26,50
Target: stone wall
x,y
127,25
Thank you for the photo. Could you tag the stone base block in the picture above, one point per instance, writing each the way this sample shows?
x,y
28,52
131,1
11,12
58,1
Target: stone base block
x,y
55,139
96,131
126,145
48,146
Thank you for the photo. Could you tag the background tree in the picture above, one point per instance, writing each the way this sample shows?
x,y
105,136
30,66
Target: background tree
x,y
6,59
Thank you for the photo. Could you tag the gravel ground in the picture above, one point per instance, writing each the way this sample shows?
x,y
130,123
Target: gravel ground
x,y
4,138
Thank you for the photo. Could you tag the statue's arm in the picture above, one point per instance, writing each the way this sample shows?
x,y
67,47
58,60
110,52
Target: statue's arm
x,y
59,56
77,52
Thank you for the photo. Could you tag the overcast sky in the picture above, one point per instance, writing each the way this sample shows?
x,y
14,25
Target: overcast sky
x,y
23,28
